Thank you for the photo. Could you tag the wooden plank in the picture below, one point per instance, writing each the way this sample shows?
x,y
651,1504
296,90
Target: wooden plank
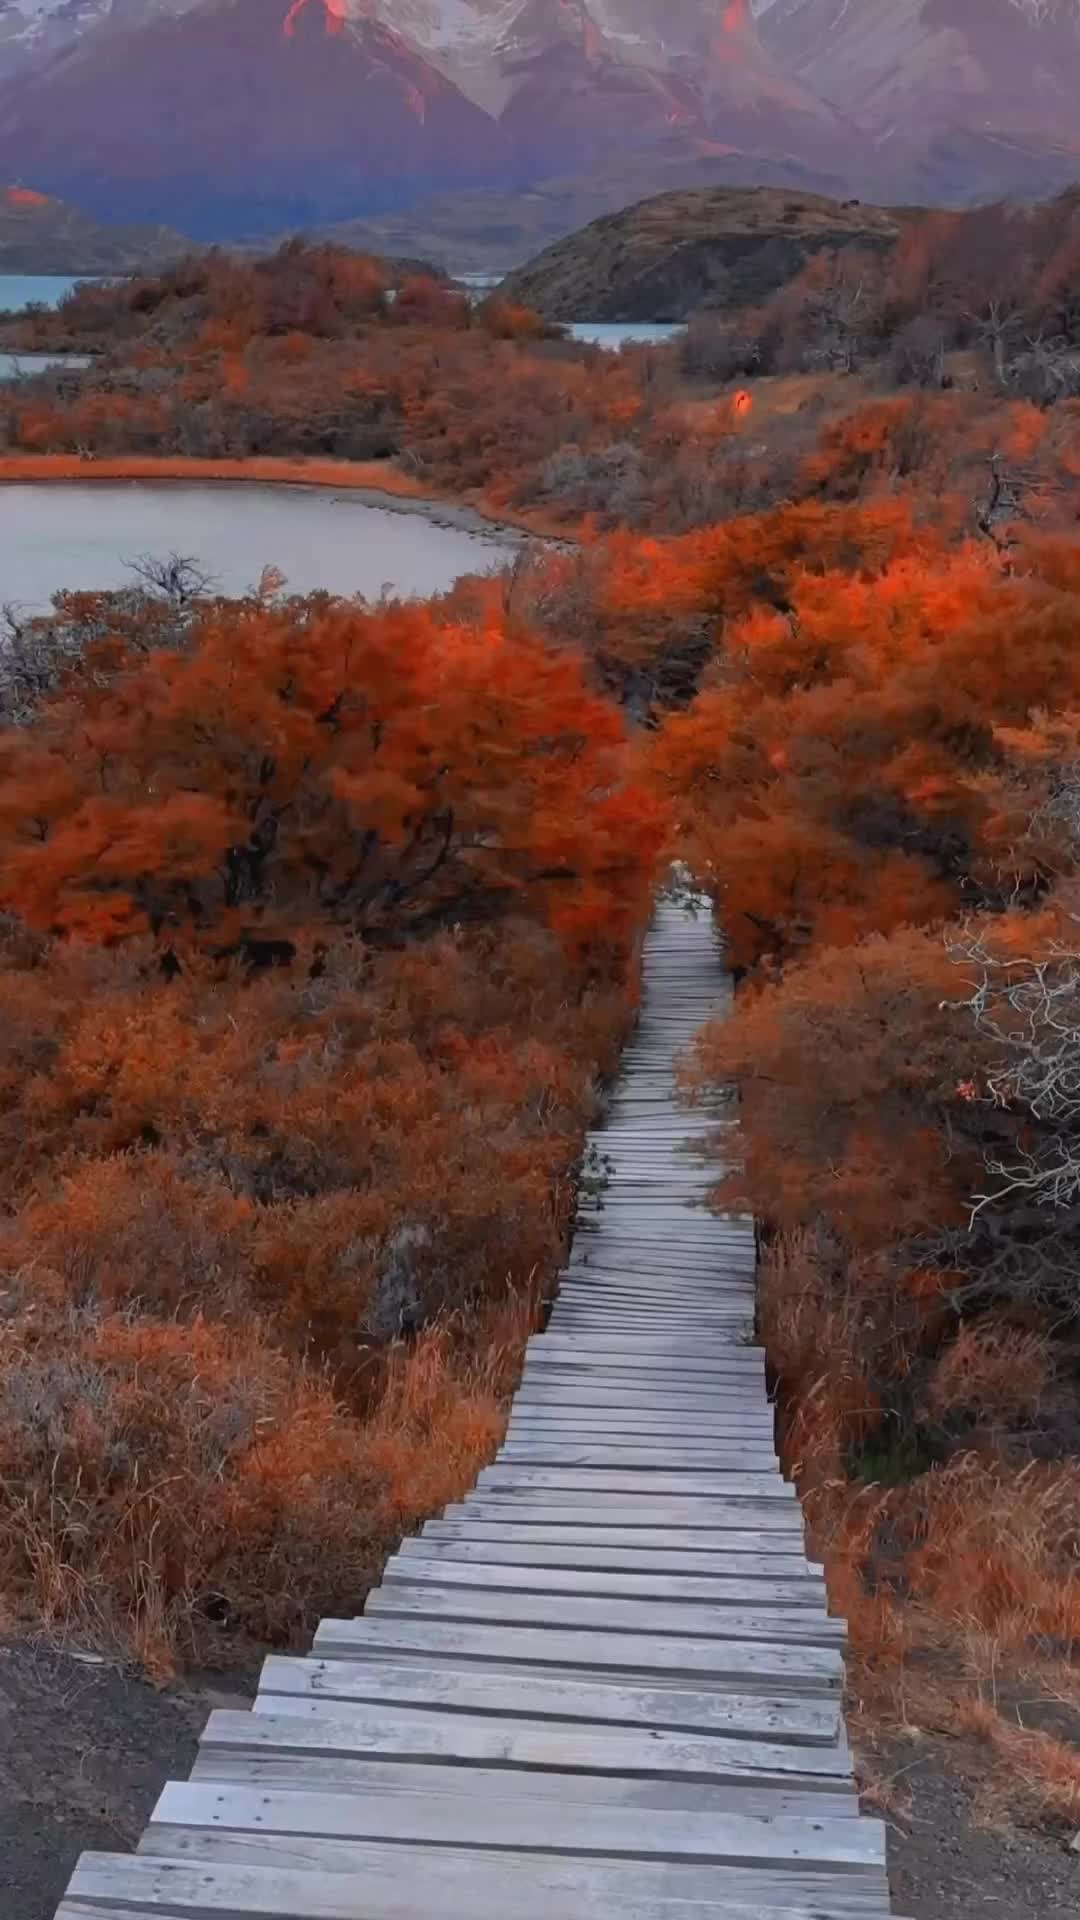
x,y
548,1611
701,1543
530,1546
399,1883
627,1395
665,1428
591,1427
725,1409
496,1577
538,1696
720,1357
511,1823
636,1509
722,1483
597,1349
715,1389
713,1661
553,1504
670,1319
493,1740
663,1457
583,1366
320,1773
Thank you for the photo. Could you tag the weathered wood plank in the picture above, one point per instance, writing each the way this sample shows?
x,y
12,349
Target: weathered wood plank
x,y
651,1483
628,1394
707,1456
405,1883
537,1696
530,1546
701,1543
493,1577
321,1773
632,1510
492,1740
552,1611
769,1663
596,1428
571,1826
635,1509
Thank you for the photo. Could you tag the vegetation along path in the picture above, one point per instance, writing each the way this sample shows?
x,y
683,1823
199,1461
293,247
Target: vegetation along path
x,y
605,1684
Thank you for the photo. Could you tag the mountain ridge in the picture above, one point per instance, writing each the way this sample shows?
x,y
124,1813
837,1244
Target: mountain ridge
x,y
226,117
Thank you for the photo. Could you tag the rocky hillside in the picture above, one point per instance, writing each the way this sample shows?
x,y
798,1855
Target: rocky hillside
x,y
674,255
41,235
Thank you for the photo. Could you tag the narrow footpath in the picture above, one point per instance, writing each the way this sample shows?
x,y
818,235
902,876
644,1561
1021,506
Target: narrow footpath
x,y
606,1686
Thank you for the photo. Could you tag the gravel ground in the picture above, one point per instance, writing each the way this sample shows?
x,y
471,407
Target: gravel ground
x,y
85,1748
946,1862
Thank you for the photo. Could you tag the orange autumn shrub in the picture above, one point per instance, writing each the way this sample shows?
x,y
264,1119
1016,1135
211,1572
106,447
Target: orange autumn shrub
x,y
303,1010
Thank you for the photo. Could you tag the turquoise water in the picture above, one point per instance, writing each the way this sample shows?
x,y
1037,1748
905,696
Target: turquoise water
x,y
34,289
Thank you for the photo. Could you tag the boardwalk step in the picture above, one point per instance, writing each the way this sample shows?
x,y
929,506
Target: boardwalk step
x,y
807,1625
573,1825
382,1731
670,1588
709,1662
753,1716
406,1883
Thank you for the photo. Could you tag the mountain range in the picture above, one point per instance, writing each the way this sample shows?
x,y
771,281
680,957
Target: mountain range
x,y
241,117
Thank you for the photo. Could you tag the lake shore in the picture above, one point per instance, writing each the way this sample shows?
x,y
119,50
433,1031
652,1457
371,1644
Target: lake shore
x,y
375,482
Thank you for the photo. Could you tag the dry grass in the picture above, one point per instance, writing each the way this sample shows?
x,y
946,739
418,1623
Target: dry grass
x,y
999,1373
960,1583
171,1490
442,1413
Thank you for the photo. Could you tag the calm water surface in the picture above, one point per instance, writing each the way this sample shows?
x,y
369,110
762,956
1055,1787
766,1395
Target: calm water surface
x,y
615,334
35,289
14,364
87,533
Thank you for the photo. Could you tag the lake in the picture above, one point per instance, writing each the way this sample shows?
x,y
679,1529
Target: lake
x,y
12,365
87,533
615,334
19,290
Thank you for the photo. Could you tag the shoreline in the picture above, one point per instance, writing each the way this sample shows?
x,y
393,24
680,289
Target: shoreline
x,y
375,484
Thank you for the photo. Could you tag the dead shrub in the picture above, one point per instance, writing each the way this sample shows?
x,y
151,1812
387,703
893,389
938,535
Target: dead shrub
x,y
997,1375
159,1480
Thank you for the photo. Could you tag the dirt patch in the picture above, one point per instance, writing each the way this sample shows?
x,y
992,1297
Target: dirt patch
x,y
949,1857
85,1749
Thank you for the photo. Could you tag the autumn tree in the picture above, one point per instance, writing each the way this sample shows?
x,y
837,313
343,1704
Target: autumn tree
x,y
318,764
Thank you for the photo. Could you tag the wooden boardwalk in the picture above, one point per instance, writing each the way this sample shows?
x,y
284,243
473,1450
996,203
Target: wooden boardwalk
x,y
605,1686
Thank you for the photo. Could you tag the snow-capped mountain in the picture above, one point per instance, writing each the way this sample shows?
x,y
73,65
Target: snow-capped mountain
x,y
235,114
207,113
1010,67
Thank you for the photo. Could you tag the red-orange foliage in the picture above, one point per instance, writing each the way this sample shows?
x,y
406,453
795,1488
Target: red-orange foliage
x,y
841,772
317,765
877,782
319,932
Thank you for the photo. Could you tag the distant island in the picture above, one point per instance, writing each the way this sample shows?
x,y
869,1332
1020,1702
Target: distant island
x,y
39,234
